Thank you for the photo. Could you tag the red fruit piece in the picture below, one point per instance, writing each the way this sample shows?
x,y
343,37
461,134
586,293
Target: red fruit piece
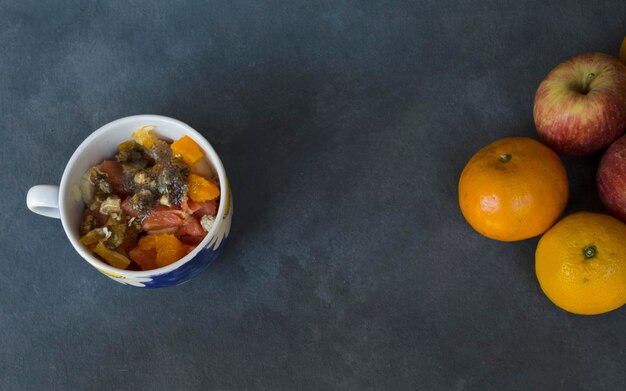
x,y
146,259
611,179
128,209
191,232
200,209
115,174
163,217
187,248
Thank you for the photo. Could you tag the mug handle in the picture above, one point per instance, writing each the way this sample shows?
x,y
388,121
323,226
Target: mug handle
x,y
44,200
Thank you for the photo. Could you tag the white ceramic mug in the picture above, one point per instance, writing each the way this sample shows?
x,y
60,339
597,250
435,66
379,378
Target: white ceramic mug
x,y
64,201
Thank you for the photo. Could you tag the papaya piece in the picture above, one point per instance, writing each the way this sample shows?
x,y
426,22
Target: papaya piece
x,y
187,149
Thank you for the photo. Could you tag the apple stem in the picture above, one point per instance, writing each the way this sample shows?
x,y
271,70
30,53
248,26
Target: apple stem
x,y
590,251
587,81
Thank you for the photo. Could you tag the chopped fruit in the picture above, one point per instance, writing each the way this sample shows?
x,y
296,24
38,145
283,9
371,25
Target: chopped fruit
x,y
127,207
162,249
186,148
168,249
125,145
202,168
113,258
115,176
146,259
201,189
145,136
192,227
191,232
95,236
187,248
191,240
144,209
147,242
201,209
163,217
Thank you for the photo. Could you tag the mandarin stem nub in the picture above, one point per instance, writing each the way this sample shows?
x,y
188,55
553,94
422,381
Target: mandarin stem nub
x,y
590,251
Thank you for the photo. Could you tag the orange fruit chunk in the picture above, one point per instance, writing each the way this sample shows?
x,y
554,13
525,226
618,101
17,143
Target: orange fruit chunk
x,y
201,189
513,189
581,263
145,136
147,242
168,249
186,148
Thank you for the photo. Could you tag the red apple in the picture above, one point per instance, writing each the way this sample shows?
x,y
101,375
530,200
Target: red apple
x,y
612,179
580,107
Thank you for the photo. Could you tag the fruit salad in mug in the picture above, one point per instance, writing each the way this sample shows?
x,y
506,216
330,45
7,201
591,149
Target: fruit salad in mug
x,y
150,204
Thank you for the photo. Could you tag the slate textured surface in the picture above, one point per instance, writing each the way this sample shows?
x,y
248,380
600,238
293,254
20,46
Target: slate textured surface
x,y
343,126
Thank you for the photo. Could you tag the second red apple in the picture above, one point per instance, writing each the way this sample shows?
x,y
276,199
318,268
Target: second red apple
x,y
612,179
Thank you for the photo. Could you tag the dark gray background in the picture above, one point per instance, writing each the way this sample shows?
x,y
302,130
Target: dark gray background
x,y
343,126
